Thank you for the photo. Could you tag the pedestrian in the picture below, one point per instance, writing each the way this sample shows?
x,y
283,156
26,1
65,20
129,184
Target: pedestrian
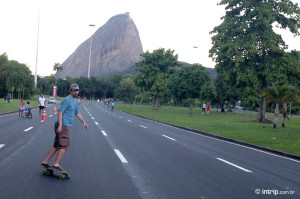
x,y
8,97
41,103
112,105
66,114
203,107
208,108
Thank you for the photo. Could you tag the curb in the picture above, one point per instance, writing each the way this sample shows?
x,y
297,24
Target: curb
x,y
11,112
7,113
281,153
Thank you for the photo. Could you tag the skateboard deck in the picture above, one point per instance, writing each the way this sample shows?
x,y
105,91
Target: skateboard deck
x,y
50,171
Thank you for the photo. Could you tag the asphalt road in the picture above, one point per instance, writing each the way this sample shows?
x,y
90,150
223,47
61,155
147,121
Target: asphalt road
x,y
123,156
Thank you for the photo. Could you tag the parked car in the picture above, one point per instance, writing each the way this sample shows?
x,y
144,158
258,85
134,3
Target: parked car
x,y
51,100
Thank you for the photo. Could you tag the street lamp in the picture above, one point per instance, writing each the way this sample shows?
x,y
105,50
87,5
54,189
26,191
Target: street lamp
x,y
37,50
91,25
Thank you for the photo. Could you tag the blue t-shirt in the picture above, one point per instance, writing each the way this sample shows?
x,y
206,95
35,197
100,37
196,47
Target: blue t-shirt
x,y
112,104
69,108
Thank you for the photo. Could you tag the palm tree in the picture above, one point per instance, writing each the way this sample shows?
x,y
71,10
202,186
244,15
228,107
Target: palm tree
x,y
57,67
280,95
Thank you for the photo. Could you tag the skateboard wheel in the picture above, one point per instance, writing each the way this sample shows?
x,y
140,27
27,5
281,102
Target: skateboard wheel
x,y
62,177
45,172
68,176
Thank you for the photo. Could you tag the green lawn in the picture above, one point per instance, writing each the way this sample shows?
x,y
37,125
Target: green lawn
x,y
237,126
13,105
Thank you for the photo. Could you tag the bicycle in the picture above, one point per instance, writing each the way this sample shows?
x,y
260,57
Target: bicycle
x,y
21,111
28,114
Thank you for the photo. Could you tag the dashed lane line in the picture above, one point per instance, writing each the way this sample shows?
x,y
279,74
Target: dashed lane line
x,y
2,145
234,165
169,138
28,129
103,132
121,157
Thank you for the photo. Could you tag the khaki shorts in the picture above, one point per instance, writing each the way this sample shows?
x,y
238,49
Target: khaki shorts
x,y
62,140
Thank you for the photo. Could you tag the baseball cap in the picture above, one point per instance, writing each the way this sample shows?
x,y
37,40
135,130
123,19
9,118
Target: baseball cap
x,y
74,87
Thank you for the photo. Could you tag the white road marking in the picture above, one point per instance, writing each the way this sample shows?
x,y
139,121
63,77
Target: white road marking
x,y
50,115
121,117
103,132
228,142
143,126
234,165
93,118
2,145
28,129
97,123
169,137
121,157
129,120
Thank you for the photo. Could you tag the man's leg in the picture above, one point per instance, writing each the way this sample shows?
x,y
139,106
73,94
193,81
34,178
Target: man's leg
x,y
60,155
50,154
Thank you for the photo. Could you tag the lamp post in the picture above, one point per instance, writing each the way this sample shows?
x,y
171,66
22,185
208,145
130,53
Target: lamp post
x,y
37,50
91,25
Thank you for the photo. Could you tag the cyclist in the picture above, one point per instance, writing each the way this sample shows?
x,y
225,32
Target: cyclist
x,y
28,108
22,107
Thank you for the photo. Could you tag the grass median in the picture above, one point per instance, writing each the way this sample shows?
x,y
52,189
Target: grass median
x,y
238,126
13,105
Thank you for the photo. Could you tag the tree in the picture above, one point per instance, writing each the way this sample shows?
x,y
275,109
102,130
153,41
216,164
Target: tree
x,y
126,90
141,87
190,83
15,76
57,67
153,72
280,95
247,51
112,83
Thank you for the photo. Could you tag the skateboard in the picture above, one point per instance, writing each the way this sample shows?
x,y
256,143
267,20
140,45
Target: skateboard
x,y
50,171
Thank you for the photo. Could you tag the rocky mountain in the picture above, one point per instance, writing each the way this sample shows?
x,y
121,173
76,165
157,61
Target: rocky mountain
x,y
116,46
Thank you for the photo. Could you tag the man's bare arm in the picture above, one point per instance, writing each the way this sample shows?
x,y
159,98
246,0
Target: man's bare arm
x,y
79,116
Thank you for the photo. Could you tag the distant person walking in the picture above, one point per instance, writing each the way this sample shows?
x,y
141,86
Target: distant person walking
x,y
207,108
8,97
203,108
112,105
41,103
66,115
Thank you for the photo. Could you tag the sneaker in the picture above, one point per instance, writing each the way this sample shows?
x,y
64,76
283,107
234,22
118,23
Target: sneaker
x,y
58,168
45,165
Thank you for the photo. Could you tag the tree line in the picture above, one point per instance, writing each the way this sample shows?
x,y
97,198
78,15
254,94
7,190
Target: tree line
x,y
16,78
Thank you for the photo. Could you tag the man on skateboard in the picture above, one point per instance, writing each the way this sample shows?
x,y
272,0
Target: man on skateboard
x,y
66,114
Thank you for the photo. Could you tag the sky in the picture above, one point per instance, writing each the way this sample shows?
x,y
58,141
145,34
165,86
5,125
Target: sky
x,y
64,24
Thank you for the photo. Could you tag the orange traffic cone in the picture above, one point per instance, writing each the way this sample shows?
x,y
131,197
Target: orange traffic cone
x,y
44,116
54,110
